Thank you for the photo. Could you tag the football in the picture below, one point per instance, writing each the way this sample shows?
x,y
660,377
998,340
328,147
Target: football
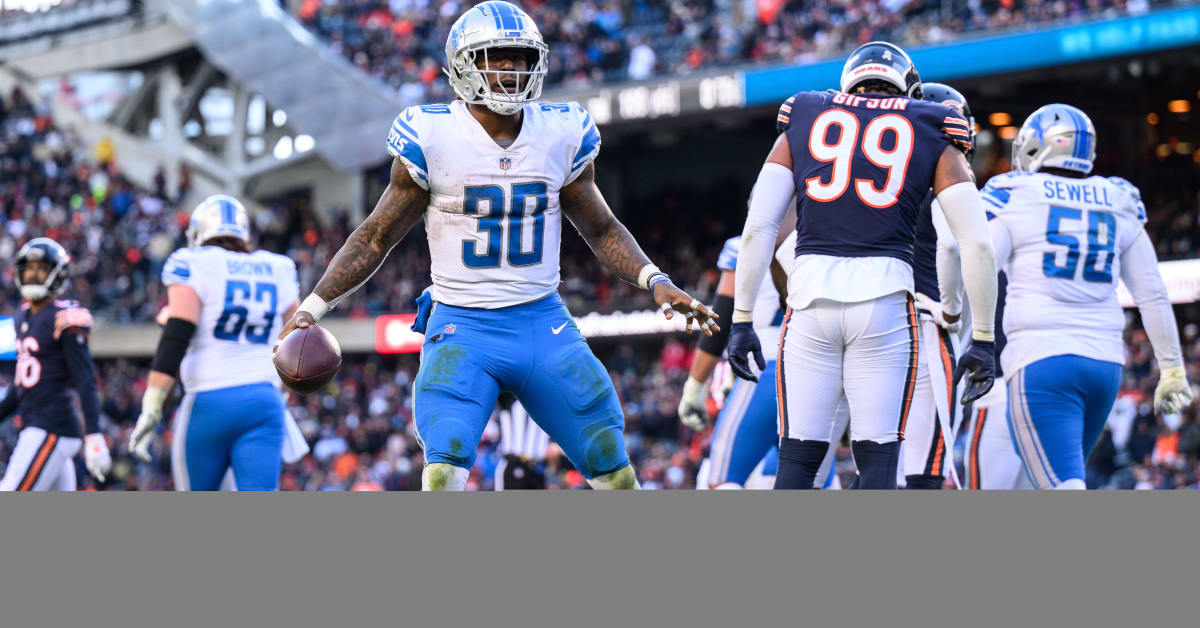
x,y
307,359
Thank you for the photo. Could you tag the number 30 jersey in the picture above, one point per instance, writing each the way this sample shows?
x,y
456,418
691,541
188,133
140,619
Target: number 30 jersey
x,y
243,297
1065,238
863,164
494,218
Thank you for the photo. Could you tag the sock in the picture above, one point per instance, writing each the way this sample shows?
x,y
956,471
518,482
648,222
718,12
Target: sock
x,y
924,482
876,464
623,479
1074,484
799,461
440,476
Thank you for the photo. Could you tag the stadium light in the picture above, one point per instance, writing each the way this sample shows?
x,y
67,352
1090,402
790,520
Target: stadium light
x,y
1007,132
279,118
1000,119
283,149
1179,106
1152,118
304,143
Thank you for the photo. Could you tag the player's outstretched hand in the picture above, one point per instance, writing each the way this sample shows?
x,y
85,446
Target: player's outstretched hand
x,y
671,299
1173,393
96,456
743,343
935,310
979,365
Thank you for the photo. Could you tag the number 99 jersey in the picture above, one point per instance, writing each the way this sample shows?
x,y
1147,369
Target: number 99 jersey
x,y
863,164
243,297
1060,241
494,218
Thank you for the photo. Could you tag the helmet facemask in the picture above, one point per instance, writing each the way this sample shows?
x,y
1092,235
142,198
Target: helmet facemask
x,y
474,85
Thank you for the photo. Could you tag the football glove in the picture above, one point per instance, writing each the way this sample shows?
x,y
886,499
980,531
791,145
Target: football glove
x,y
96,456
692,407
152,403
935,310
979,365
743,343
1173,393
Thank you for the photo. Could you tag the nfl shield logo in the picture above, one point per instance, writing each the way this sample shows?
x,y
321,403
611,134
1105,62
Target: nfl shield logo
x,y
450,327
505,163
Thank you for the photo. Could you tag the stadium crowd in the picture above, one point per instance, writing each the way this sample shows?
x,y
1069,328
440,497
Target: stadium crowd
x,y
402,42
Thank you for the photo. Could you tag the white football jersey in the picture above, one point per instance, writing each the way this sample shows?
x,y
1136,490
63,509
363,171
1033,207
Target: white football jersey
x,y
1067,237
243,297
494,218
767,316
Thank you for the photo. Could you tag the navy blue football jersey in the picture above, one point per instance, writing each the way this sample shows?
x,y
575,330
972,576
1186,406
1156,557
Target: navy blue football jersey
x,y
925,251
863,164
54,368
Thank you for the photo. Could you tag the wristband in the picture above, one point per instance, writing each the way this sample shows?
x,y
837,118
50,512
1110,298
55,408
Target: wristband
x,y
644,275
655,279
742,316
315,306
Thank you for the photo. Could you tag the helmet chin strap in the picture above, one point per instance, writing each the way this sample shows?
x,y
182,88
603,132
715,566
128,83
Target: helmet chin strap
x,y
35,293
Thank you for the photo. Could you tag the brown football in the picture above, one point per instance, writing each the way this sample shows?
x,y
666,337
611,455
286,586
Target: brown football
x,y
307,359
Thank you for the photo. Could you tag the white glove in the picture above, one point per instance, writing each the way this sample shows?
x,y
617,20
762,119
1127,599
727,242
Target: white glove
x,y
935,310
693,409
1173,393
96,456
152,403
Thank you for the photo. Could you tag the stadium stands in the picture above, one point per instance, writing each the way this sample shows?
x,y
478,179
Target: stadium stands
x,y
401,42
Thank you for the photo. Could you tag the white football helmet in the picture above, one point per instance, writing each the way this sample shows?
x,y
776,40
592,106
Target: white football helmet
x,y
1055,136
487,26
219,215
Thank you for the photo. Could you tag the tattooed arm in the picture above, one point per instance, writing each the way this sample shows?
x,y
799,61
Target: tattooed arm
x,y
402,204
612,243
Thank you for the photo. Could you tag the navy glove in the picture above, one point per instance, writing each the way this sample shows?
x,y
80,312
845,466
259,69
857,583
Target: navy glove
x,y
979,365
743,343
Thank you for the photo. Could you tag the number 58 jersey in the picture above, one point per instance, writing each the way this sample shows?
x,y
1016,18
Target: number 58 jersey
x,y
243,297
1064,238
494,220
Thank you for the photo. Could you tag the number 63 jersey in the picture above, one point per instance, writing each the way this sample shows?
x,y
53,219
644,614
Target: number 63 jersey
x,y
1060,241
494,218
243,297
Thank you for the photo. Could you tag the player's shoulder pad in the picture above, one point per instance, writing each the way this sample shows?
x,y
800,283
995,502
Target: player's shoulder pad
x,y
181,266
950,120
584,135
727,260
998,190
71,316
410,135
1134,197
783,119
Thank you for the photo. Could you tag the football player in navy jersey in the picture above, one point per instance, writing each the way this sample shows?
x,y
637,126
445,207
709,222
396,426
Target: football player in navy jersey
x,y
53,366
860,162
934,412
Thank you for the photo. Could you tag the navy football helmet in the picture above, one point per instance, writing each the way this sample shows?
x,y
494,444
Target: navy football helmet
x,y
881,61
946,95
45,250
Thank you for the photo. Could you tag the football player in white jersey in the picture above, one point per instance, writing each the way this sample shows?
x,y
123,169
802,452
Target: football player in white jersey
x,y
493,174
224,303
1065,238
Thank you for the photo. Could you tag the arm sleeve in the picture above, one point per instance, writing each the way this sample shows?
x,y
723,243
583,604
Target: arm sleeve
x,y
772,193
404,143
949,263
964,214
1139,271
79,364
715,344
